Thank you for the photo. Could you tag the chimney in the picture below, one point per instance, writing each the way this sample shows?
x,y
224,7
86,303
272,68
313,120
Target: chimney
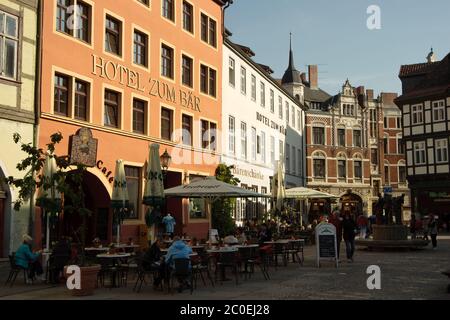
x,y
369,94
313,77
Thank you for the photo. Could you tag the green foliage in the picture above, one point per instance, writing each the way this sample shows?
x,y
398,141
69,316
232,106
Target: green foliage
x,y
221,209
68,183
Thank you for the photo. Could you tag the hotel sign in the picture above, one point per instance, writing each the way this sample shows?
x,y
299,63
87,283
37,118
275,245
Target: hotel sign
x,y
270,123
114,71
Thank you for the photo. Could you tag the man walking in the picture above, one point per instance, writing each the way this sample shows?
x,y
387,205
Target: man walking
x,y
349,229
433,229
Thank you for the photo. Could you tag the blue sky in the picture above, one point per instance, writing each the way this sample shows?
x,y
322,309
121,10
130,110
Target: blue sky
x,y
334,35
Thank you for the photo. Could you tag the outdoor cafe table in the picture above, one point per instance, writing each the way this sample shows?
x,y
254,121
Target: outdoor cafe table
x,y
220,251
115,258
96,249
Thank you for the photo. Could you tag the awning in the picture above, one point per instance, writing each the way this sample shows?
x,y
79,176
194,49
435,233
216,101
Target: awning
x,y
306,193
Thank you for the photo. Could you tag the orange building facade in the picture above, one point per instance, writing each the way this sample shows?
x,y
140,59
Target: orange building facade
x,y
135,72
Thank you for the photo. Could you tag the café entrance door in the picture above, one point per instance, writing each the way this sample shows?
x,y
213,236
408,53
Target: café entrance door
x,y
351,204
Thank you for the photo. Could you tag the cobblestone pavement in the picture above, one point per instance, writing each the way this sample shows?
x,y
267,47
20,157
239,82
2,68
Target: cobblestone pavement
x,y
404,275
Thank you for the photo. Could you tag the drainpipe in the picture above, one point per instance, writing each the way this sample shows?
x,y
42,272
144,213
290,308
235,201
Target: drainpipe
x,y
37,100
228,3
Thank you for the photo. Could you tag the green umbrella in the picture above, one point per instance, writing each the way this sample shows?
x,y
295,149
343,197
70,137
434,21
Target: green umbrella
x,y
120,197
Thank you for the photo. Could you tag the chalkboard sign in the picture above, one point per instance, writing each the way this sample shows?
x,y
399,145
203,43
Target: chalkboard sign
x,y
326,242
327,246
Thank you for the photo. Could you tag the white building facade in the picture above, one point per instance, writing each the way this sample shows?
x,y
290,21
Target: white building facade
x,y
260,121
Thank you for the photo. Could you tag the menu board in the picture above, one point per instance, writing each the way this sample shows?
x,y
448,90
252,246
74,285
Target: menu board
x,y
326,242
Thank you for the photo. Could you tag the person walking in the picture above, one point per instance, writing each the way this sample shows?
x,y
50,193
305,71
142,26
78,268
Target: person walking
x,y
363,223
433,229
336,221
349,227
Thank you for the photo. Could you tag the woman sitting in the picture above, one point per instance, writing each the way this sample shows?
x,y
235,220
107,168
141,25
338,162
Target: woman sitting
x,y
26,259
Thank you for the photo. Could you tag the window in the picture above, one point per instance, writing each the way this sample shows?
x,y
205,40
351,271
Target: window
x,y
319,166
386,145
113,35
385,123
244,140
419,153
374,156
272,101
188,17
9,44
253,143
187,69
208,134
168,9
61,100
399,122
139,111
272,149
231,72
208,80
341,137
280,107
140,48
373,123
294,170
400,146
81,100
342,169
166,124
293,116
133,178
187,129
417,114
253,88
263,147
83,17
288,157
243,80
401,173
300,162
208,30
439,111
263,94
281,149
358,169
319,135
167,61
287,112
357,138
231,135
299,120
197,207
387,175
112,105
441,151
62,15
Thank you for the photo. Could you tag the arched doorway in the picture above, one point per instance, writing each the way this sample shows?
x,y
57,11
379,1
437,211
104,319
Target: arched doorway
x,y
351,204
98,201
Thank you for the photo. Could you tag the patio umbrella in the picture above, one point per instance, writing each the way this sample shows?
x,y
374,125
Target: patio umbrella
x,y
120,197
49,197
154,185
307,193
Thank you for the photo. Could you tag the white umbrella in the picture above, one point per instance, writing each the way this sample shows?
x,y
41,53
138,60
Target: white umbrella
x,y
48,193
120,199
307,193
154,183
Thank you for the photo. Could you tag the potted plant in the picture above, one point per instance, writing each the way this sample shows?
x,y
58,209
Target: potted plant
x,y
68,183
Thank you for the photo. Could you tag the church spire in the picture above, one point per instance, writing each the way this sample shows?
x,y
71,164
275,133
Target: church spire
x,y
291,75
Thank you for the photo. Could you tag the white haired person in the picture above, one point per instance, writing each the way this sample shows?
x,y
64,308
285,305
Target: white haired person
x,y
26,259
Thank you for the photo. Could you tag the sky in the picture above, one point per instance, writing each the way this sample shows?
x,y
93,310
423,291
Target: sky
x,y
334,35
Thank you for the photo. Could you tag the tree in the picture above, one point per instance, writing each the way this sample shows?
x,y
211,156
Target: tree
x,y
221,208
68,183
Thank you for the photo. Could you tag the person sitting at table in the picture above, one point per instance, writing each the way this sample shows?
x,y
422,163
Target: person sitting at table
x,y
152,257
264,234
230,240
178,250
59,258
240,235
26,259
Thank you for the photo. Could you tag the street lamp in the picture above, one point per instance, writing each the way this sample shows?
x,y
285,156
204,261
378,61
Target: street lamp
x,y
165,159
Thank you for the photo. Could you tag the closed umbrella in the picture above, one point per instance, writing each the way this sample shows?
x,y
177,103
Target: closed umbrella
x,y
154,186
120,197
49,197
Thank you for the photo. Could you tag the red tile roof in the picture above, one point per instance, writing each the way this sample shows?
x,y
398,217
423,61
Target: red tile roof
x,y
416,69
